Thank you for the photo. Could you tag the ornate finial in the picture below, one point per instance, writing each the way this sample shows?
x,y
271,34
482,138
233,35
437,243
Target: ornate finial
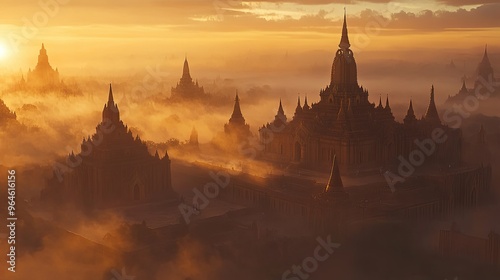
x,y
110,96
344,41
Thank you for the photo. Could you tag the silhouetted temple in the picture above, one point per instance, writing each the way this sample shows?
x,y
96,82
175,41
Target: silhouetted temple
x,y
344,122
6,115
43,79
186,88
237,128
43,74
484,83
113,167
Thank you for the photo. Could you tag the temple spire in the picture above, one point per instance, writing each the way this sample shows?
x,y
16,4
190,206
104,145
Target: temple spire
x,y
111,101
185,71
344,41
237,116
432,114
410,115
280,116
110,111
298,109
306,106
380,102
280,109
387,106
335,181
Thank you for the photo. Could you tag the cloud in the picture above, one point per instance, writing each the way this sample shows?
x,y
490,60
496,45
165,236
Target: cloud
x,y
485,16
465,2
229,15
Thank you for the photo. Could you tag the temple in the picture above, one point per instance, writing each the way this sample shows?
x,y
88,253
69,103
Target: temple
x,y
6,115
363,135
237,128
112,168
484,82
43,74
43,79
186,88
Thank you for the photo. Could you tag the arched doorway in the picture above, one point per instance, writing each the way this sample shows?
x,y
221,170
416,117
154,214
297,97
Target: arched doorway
x,y
298,151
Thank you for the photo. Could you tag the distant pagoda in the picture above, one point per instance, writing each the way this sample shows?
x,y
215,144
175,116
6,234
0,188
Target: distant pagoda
x,y
484,76
43,79
43,74
186,88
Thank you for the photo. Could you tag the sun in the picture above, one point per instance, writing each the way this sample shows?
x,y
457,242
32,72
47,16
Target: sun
x,y
4,51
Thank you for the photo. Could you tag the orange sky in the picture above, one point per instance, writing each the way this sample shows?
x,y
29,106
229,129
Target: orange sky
x,y
126,36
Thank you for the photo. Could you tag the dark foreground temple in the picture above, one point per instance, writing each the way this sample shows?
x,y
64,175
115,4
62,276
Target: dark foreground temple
x,y
6,115
344,122
346,130
112,168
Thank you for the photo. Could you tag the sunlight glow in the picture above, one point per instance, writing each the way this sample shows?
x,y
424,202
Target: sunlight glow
x,y
3,51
